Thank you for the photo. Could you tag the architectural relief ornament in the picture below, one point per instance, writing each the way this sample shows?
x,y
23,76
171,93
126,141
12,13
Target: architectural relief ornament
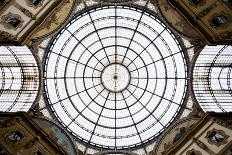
x,y
31,143
25,11
52,19
7,123
14,137
197,3
226,35
5,36
203,146
220,20
225,123
206,11
11,21
3,3
228,152
193,151
34,3
217,137
115,1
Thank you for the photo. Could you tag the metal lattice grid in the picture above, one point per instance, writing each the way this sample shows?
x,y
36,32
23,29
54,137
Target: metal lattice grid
x,y
115,76
19,78
212,79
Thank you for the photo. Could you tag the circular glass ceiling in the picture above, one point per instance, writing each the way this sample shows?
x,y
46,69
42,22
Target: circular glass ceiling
x,y
115,77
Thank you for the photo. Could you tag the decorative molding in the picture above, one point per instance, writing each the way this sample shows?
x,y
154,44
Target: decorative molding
x,y
7,123
35,6
189,152
31,143
226,35
52,19
220,14
115,1
32,132
207,10
225,123
203,146
8,20
228,152
39,21
37,151
12,132
5,36
3,5
200,3
219,136
23,10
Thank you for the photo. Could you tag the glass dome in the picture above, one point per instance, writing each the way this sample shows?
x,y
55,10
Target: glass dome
x,y
115,76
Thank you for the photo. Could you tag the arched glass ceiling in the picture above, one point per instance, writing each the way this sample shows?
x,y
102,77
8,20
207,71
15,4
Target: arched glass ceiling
x,y
19,78
212,78
115,77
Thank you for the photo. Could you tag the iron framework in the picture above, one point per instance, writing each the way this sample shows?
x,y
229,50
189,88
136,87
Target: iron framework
x,y
19,78
212,79
115,76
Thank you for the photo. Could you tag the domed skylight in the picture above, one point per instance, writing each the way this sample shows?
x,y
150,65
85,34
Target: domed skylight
x,y
115,77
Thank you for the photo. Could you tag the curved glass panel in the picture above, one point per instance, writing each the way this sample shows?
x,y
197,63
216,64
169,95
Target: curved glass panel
x,y
212,78
115,77
19,78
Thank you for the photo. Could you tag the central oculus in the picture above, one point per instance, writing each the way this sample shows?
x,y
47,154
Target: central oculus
x,y
115,77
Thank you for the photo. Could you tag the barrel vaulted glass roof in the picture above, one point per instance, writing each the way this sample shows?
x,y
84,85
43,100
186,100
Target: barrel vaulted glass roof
x,y
115,76
19,78
212,78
